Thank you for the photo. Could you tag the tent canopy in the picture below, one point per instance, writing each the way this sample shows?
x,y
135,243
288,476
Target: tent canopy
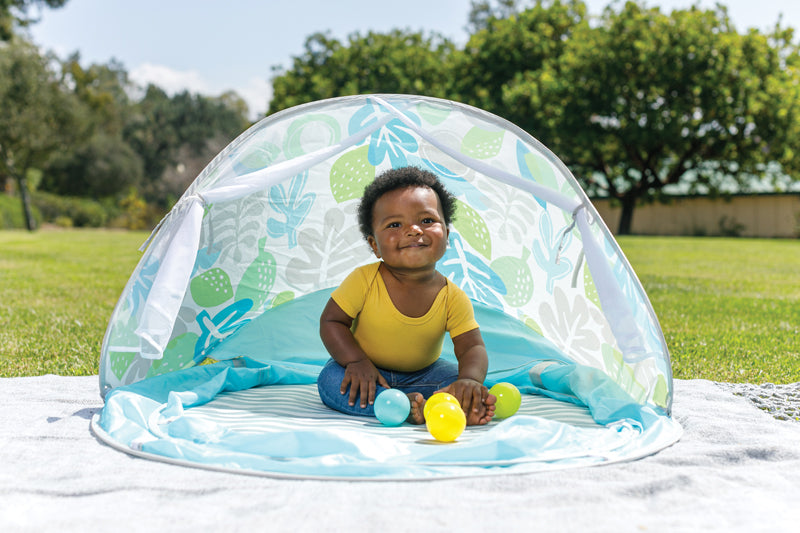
x,y
243,264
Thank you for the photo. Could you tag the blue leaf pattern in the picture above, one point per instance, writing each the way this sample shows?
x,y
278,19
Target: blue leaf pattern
x,y
205,259
222,325
524,171
316,241
545,250
471,273
394,139
454,183
144,282
294,205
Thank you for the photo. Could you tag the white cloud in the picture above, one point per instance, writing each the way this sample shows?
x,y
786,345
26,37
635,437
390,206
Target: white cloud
x,y
256,91
170,80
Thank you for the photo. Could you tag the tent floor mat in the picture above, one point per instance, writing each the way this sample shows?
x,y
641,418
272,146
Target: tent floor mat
x,y
292,407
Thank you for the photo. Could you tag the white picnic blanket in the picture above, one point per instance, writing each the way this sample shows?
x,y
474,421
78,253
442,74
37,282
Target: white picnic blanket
x,y
735,469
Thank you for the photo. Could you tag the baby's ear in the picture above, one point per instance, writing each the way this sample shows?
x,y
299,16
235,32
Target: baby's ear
x,y
374,245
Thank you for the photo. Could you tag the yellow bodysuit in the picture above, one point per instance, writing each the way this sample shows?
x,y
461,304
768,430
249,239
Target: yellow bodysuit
x,y
392,340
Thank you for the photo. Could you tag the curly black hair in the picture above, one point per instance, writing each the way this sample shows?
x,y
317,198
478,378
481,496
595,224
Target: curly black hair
x,y
400,178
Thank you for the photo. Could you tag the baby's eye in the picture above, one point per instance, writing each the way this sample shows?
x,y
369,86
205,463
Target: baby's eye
x,y
393,225
428,220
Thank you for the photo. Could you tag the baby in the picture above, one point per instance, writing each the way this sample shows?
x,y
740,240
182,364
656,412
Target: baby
x,y
384,325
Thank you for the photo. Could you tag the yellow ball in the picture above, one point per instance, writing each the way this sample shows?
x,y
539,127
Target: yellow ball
x,y
436,399
446,421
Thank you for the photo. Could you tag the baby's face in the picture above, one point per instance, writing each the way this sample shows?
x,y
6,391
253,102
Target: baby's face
x,y
409,231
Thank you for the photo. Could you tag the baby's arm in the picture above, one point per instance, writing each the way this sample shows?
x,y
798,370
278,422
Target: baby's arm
x,y
360,374
473,363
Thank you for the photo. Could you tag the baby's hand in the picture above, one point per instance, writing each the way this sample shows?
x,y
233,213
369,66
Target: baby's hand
x,y
475,400
362,376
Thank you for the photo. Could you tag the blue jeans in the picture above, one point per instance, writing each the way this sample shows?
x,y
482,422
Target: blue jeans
x,y
426,381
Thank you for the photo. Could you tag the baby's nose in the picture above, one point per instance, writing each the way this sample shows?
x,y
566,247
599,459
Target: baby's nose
x,y
414,229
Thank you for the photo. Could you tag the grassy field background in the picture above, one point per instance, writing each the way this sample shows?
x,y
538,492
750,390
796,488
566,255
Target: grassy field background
x,y
729,308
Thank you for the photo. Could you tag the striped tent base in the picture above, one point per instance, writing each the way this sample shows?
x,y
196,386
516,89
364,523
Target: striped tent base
x,y
250,418
292,407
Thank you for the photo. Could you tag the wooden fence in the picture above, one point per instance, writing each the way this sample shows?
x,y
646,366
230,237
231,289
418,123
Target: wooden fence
x,y
758,215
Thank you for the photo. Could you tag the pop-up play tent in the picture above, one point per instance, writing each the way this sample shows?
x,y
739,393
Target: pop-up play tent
x,y
211,355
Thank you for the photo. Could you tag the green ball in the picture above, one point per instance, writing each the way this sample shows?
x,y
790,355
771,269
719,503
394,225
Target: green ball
x,y
508,399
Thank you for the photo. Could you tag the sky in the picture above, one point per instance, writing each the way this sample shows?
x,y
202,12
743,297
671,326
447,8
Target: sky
x,y
211,46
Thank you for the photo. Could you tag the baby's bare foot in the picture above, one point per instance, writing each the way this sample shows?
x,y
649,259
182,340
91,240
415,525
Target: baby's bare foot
x,y
483,413
417,414
491,404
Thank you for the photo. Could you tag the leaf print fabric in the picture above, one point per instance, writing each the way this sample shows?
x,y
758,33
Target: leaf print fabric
x,y
521,242
293,205
326,253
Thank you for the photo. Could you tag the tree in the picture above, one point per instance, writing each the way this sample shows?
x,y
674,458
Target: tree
x,y
483,12
151,133
35,116
395,62
509,42
642,100
169,131
97,162
103,166
102,88
15,12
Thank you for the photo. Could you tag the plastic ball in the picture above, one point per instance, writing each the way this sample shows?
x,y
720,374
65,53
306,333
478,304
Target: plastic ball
x,y
436,399
392,407
508,399
446,421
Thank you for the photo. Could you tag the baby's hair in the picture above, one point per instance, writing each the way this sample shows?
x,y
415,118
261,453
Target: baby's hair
x,y
400,178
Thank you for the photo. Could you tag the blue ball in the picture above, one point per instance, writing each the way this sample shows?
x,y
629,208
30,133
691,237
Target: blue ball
x,y
392,407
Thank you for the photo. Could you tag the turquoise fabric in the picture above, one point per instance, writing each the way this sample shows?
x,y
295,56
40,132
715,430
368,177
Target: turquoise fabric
x,y
290,333
148,418
588,386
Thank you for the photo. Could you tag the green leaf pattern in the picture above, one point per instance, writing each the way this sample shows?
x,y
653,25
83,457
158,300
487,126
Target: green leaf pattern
x,y
497,222
482,144
516,275
350,174
471,226
211,288
259,277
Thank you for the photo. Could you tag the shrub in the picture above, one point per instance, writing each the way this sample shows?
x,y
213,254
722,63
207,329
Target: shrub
x,y
63,222
82,211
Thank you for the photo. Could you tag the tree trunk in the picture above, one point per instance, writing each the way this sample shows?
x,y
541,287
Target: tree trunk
x,y
22,185
626,218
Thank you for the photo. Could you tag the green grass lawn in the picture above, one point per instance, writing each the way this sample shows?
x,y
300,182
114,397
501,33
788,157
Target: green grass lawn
x,y
57,292
729,308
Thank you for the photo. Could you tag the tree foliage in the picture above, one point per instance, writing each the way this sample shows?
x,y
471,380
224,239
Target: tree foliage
x,y
162,128
395,62
509,42
642,100
78,131
105,165
36,116
100,162
634,101
16,13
